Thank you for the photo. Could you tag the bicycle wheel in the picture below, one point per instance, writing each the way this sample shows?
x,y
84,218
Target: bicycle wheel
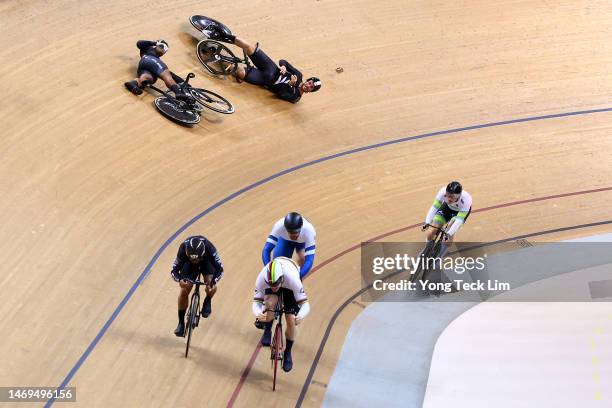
x,y
277,349
191,319
171,109
216,57
426,254
212,101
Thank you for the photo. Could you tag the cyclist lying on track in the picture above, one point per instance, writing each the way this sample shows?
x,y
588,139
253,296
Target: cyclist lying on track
x,y
451,206
152,67
196,255
283,79
280,275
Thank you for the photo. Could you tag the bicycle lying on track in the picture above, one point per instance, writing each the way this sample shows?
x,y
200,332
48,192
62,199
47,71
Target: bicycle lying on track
x,y
193,312
189,112
431,251
216,57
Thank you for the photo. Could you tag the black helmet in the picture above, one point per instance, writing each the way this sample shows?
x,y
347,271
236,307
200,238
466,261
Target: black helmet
x,y
163,44
293,222
454,187
195,248
316,82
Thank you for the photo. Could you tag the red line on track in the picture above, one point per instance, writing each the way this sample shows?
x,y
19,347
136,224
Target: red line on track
x,y
251,362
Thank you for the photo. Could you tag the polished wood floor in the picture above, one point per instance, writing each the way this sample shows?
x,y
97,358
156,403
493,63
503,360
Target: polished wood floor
x,y
94,181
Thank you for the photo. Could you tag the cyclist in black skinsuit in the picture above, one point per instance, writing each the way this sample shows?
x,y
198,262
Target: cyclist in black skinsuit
x,y
152,67
283,79
195,256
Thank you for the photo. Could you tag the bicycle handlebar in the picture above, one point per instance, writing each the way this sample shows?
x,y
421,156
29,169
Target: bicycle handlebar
x,y
434,227
441,229
195,282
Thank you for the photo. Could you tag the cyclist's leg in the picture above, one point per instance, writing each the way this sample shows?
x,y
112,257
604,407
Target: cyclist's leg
x,y
208,273
183,298
248,49
246,46
270,301
136,86
168,79
291,309
176,78
265,70
449,241
166,76
150,68
449,216
147,77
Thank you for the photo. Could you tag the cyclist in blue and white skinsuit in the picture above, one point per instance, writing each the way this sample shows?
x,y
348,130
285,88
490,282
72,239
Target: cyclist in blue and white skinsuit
x,y
288,234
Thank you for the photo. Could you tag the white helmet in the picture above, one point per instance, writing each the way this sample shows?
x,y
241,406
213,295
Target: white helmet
x,y
275,273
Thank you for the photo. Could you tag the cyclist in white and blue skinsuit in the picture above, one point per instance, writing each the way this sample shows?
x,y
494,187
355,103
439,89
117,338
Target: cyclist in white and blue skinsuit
x,y
288,234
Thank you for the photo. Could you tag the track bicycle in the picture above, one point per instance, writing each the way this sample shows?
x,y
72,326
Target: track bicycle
x,y
277,348
431,251
217,58
189,112
193,311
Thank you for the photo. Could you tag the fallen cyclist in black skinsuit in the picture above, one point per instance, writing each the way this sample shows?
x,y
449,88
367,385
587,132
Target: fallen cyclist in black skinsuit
x,y
152,67
282,79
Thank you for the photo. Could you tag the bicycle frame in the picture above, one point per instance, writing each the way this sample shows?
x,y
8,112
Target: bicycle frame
x,y
193,311
277,346
430,251
185,85
217,51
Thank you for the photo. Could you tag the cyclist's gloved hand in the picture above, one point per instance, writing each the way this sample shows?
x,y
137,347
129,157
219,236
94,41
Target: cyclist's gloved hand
x,y
259,324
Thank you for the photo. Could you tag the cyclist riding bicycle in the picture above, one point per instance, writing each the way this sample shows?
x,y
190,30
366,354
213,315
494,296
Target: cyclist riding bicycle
x,y
291,233
152,67
451,206
283,79
196,255
280,276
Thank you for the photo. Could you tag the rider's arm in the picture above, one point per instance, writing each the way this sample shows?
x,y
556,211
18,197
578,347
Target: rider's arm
x,y
258,306
271,242
181,257
215,261
291,69
304,269
144,44
145,47
266,254
461,215
309,252
304,310
299,294
457,223
435,206
289,93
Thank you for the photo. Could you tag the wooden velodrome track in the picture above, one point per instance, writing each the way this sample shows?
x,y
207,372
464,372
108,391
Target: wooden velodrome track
x,y
94,181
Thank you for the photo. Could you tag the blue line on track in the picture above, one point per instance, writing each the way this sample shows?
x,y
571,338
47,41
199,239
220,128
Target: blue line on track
x,y
243,190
